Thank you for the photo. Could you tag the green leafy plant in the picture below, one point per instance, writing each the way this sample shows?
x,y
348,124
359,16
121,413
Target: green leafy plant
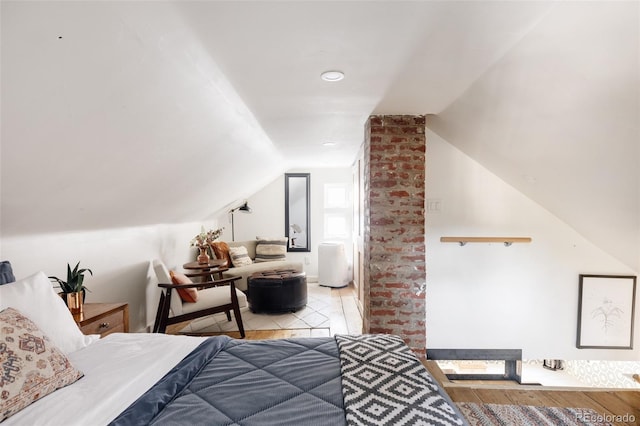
x,y
75,279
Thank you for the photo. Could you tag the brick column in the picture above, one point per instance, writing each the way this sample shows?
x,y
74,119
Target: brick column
x,y
394,231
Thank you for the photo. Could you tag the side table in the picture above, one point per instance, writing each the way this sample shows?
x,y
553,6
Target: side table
x,y
206,270
103,318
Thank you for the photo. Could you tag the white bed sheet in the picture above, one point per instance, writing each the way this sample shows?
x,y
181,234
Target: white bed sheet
x,y
117,370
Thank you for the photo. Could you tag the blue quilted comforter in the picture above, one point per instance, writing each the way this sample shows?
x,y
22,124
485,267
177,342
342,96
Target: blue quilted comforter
x,y
295,382
238,382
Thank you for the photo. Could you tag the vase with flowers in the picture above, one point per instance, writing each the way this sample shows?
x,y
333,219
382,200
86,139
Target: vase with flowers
x,y
203,240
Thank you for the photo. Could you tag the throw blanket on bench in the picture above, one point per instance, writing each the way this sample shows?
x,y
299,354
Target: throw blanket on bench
x,y
290,382
385,384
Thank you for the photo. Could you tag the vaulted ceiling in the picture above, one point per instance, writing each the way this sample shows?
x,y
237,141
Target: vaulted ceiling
x,y
132,113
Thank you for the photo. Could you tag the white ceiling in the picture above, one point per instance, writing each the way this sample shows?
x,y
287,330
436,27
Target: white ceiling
x,y
134,113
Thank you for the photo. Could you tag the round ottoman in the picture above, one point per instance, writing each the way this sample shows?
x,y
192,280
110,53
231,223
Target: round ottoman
x,y
277,291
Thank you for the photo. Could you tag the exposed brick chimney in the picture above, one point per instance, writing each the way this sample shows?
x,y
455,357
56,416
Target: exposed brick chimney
x,y
394,230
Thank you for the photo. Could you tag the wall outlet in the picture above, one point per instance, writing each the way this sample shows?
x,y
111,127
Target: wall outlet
x,y
434,205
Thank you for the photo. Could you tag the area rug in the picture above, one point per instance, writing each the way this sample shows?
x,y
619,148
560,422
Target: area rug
x,y
527,415
316,314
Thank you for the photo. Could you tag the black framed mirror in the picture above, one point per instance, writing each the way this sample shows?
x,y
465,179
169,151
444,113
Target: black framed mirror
x,y
297,222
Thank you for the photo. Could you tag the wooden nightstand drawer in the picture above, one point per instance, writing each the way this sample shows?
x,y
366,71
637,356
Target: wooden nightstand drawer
x,y
103,326
104,318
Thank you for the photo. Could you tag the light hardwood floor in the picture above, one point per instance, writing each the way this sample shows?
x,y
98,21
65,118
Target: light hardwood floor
x,y
615,403
345,319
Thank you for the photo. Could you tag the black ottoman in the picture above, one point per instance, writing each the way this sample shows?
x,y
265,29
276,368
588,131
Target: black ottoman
x,y
277,291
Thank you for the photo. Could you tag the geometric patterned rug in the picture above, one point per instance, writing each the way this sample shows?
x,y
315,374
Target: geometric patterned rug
x,y
316,314
525,415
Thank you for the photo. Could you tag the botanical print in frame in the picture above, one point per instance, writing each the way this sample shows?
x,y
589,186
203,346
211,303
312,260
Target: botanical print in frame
x,y
606,305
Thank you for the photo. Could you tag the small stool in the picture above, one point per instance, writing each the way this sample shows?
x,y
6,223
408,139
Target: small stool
x,y
277,291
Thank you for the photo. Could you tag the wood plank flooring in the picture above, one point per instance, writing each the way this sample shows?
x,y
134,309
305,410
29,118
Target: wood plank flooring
x,y
622,406
346,318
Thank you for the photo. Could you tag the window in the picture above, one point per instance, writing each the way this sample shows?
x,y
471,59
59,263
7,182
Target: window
x,y
335,196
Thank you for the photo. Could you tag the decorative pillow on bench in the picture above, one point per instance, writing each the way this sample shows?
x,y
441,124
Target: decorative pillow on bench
x,y
269,249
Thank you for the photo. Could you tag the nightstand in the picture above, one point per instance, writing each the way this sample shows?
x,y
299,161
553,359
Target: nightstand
x,y
103,318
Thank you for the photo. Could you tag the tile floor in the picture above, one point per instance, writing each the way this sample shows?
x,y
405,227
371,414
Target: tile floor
x,y
328,311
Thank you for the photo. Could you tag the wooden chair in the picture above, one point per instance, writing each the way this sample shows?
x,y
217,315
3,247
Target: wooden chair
x,y
214,296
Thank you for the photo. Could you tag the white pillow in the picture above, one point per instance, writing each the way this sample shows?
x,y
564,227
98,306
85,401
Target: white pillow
x,y
36,299
239,256
270,249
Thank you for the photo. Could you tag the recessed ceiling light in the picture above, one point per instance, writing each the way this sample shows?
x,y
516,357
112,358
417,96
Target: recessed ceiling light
x,y
328,144
332,76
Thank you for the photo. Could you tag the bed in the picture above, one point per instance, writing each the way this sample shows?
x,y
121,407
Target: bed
x,y
143,378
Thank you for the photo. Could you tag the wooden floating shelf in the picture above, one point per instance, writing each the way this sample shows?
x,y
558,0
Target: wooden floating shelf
x,y
507,241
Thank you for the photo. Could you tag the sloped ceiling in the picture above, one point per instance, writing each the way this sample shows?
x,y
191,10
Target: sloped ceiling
x,y
558,117
132,113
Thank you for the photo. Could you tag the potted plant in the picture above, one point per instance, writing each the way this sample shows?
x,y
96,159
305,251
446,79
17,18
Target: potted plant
x,y
73,289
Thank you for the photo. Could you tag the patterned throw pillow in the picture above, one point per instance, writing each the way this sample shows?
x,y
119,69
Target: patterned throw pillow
x,y
268,249
32,366
221,251
239,256
189,295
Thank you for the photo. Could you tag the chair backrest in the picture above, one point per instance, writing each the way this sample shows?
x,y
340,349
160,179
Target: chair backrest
x,y
164,278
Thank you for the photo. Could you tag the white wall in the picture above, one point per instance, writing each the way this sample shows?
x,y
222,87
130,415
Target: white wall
x,y
267,218
491,296
119,259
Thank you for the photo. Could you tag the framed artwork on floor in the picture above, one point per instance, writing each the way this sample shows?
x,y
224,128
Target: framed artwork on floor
x,y
606,305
